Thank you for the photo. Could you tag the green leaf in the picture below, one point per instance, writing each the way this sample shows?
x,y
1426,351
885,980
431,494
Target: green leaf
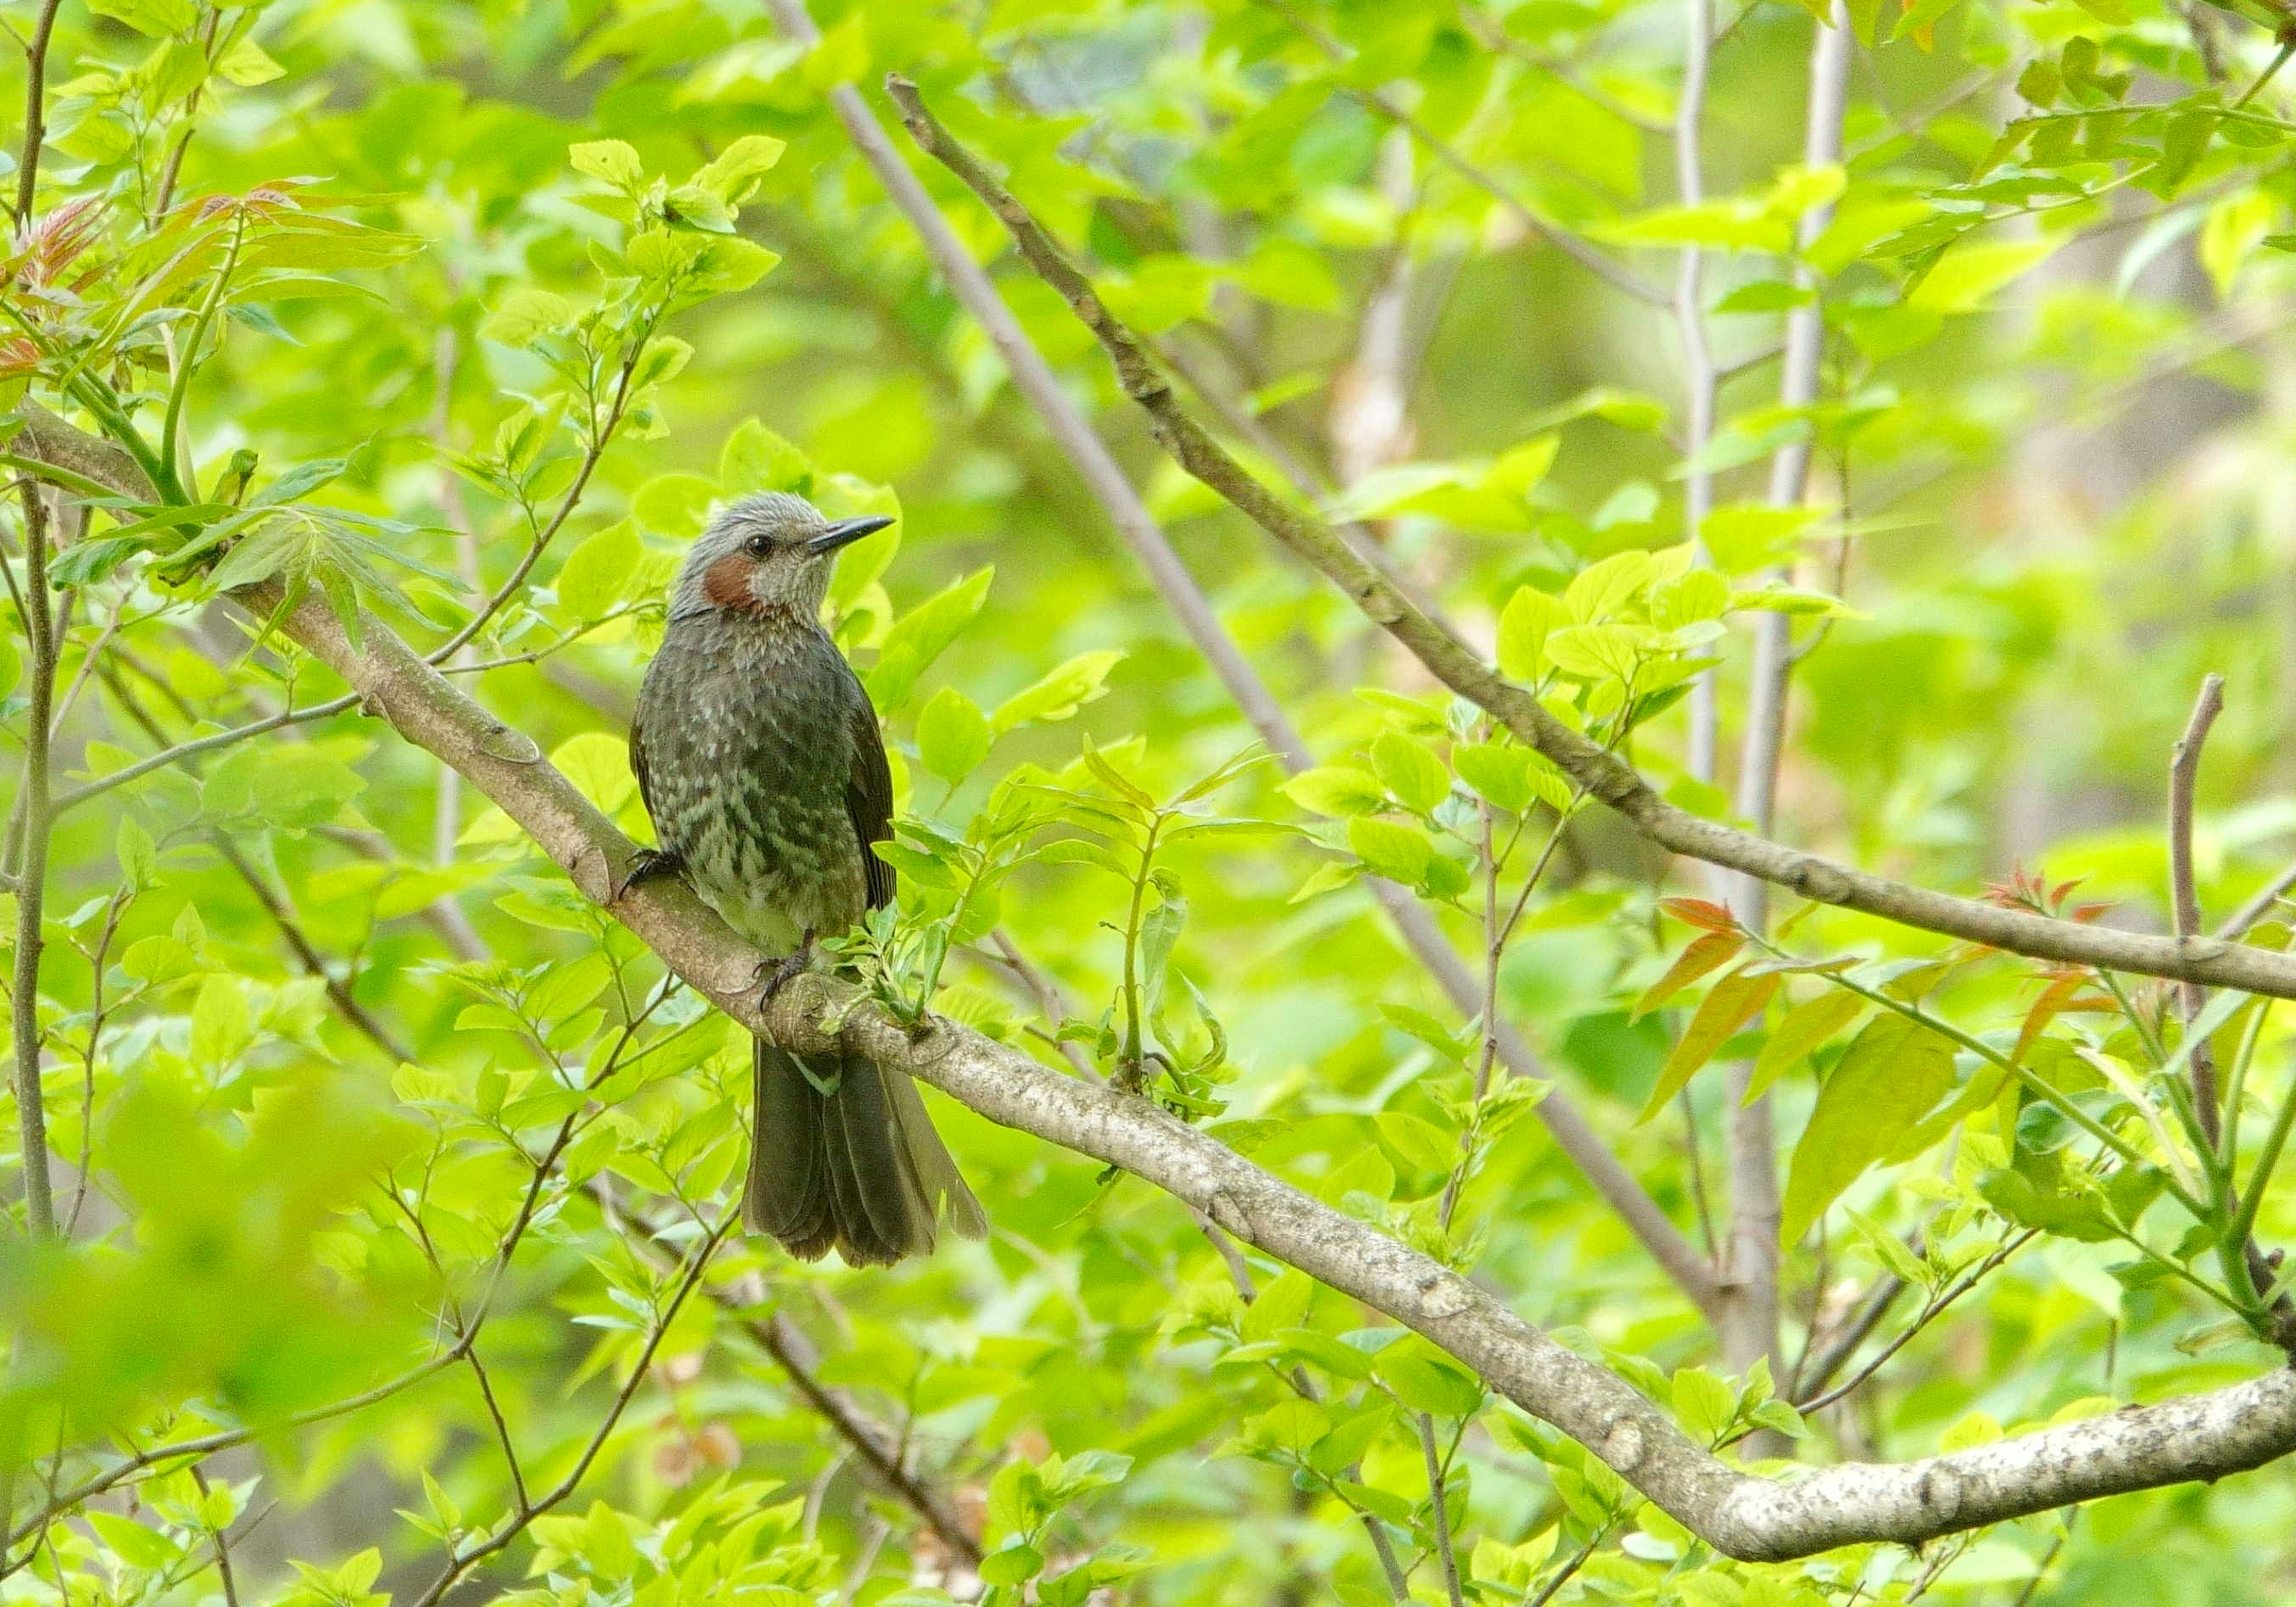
x,y
291,785
1704,1404
247,64
595,574
1886,1081
1728,1005
1282,1304
735,170
221,1025
756,459
525,315
1058,695
1524,624
1336,791
918,638
1014,1564
1966,275
1411,772
614,161
134,1544
138,856
154,19
1425,1382
953,735
1389,849
1803,1029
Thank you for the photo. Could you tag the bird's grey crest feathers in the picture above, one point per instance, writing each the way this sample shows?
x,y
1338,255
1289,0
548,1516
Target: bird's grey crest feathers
x,y
784,518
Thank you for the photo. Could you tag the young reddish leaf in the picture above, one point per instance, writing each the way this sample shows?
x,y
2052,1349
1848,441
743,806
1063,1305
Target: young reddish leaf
x,y
1700,913
1704,953
2054,998
1734,1000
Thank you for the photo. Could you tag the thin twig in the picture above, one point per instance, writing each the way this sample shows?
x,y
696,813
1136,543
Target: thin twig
x,y
196,746
877,1445
1814,1372
166,196
2184,898
35,96
2236,925
1441,1517
1698,380
461,1562
222,1549
1563,1575
502,1429
592,451
37,821
1752,1255
1929,1314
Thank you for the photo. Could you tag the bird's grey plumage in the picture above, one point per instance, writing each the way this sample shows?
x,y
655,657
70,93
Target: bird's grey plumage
x,y
757,753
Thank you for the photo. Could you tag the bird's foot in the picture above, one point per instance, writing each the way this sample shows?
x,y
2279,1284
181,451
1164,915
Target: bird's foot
x,y
774,975
645,864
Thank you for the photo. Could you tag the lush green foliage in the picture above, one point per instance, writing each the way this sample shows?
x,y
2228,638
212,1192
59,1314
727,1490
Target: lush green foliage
x,y
398,1176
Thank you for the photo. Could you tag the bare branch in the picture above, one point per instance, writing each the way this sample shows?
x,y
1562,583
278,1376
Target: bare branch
x,y
1751,1330
37,819
2184,892
36,98
1605,776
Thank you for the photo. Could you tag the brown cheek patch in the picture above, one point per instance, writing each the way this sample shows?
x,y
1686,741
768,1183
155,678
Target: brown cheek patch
x,y
726,583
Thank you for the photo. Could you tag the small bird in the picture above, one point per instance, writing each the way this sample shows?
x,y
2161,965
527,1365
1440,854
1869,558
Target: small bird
x,y
757,753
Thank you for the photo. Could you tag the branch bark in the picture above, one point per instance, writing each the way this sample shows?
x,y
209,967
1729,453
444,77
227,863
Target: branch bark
x,y
1606,778
1750,1328
35,821
2184,897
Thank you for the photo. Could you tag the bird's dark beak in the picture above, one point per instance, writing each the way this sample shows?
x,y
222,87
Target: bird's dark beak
x,y
844,532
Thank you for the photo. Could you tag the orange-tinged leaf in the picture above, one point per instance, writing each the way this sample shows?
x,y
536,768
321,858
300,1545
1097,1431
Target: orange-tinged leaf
x,y
1733,1001
1700,913
2054,998
1716,949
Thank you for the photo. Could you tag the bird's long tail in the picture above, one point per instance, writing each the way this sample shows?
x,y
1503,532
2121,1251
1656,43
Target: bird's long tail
x,y
846,1159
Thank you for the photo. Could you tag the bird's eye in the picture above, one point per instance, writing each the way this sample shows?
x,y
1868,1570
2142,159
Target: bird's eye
x,y
757,547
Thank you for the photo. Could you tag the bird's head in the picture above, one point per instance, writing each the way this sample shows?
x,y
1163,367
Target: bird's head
x,y
766,555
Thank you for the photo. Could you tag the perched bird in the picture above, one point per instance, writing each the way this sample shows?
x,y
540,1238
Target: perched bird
x,y
757,754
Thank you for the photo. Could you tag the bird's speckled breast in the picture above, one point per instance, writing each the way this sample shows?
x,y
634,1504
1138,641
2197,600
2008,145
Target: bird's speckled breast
x,y
749,753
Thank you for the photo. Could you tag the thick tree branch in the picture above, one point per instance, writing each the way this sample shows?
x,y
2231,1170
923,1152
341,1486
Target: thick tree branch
x,y
1034,377
2206,1437
2208,960
2198,1437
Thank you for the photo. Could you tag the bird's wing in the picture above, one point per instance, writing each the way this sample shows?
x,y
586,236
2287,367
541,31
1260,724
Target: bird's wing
x,y
638,757
869,795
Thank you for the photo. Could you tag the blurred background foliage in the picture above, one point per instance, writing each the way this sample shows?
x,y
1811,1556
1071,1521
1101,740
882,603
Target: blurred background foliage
x,y
384,1162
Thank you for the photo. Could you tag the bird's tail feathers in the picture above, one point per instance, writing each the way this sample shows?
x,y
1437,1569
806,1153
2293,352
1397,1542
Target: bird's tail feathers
x,y
846,1157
